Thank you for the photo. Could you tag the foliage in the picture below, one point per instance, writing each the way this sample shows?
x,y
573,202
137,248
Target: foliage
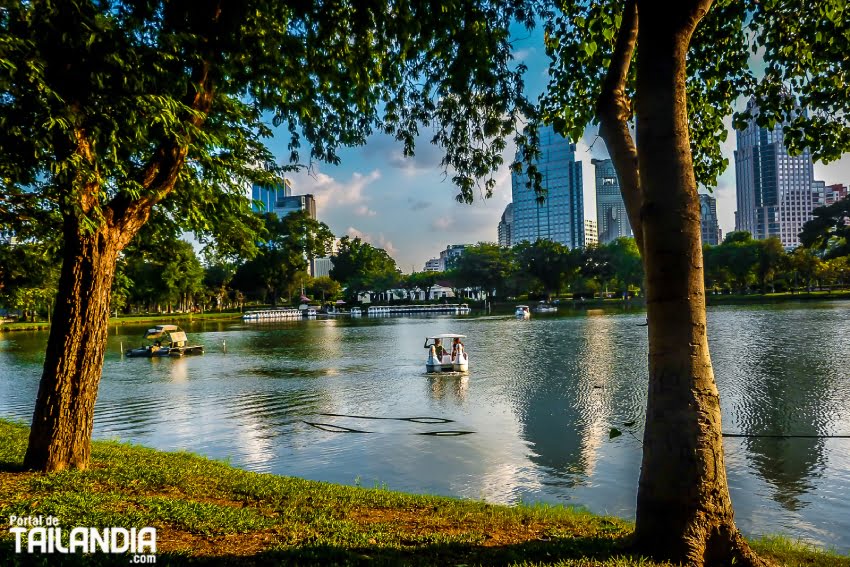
x,y
29,275
325,287
282,258
165,275
361,267
551,263
485,266
829,230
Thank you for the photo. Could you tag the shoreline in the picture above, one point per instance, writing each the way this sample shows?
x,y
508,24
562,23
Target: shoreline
x,y
499,308
209,511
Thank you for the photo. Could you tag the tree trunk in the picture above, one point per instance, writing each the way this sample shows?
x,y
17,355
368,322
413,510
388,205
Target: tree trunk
x,y
61,431
684,512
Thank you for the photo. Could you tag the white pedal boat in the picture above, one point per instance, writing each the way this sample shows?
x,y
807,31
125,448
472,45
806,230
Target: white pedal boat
x,y
446,363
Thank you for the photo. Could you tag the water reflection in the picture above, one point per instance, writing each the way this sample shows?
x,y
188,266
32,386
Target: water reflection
x,y
529,422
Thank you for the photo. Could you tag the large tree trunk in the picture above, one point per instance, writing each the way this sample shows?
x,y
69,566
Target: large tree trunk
x,y
61,431
684,512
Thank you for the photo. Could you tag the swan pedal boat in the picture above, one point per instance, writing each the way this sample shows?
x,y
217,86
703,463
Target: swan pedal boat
x,y
522,312
447,364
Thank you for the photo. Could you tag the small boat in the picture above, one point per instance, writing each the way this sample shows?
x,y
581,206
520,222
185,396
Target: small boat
x,y
166,340
522,312
356,312
544,307
446,363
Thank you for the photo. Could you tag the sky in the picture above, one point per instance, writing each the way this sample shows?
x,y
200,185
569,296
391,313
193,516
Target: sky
x,y
407,206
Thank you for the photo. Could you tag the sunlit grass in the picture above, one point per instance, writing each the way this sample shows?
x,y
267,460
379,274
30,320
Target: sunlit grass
x,y
211,512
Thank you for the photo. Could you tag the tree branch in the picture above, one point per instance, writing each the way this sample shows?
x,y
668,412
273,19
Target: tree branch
x,y
613,109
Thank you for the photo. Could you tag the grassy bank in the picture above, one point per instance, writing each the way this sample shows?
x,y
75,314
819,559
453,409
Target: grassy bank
x,y
210,513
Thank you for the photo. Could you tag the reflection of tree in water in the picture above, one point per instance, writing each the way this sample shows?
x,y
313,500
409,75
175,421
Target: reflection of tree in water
x,y
784,387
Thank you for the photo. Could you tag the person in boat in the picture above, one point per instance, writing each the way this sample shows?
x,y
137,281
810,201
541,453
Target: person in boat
x,y
457,347
156,346
438,348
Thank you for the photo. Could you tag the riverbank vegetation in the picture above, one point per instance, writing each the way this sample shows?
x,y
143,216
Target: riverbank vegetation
x,y
178,286
209,512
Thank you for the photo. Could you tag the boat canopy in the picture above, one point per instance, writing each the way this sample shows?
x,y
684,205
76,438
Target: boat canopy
x,y
175,332
447,336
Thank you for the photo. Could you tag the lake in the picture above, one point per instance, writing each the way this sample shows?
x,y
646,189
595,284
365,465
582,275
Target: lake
x,y
348,401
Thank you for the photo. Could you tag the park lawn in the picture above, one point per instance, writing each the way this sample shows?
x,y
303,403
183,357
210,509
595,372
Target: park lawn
x,y
207,512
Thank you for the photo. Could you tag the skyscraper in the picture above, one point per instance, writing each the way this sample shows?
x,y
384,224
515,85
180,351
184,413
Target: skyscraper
x,y
266,198
711,233
505,226
591,233
775,190
560,217
612,221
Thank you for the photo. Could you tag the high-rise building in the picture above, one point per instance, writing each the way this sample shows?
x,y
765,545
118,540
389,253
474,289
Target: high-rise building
x,y
281,201
266,198
775,190
296,203
449,256
711,233
433,265
591,233
612,220
505,226
560,217
824,195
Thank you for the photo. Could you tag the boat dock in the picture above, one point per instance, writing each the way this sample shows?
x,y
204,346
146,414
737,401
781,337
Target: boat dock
x,y
451,308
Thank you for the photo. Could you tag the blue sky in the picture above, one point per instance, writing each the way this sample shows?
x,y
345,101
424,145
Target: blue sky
x,y
407,207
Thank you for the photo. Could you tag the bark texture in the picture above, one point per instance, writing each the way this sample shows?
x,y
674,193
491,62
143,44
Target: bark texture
x,y
60,436
684,512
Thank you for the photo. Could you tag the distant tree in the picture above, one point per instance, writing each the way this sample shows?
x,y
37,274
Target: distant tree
x,y
547,261
324,287
624,257
218,274
29,277
829,230
425,281
361,267
282,257
771,258
805,264
485,266
182,275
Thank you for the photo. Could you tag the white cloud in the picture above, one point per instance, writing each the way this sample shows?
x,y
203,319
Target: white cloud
x,y
379,241
330,192
364,211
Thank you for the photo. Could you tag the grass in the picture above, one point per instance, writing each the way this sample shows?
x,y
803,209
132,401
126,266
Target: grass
x,y
207,512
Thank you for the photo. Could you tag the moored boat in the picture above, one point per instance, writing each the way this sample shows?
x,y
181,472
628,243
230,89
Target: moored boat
x,y
165,340
544,307
522,312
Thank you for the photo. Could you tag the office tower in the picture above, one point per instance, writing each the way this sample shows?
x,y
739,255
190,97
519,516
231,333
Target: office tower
x,y
612,220
560,217
711,233
266,198
505,226
433,265
296,203
591,233
775,190
449,256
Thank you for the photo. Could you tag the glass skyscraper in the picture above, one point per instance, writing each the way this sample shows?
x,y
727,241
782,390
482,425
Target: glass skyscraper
x,y
560,217
774,189
612,221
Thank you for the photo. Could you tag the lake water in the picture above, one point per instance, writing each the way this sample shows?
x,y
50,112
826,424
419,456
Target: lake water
x,y
338,400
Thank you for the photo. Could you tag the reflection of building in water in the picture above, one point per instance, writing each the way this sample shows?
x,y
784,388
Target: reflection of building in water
x,y
779,395
564,399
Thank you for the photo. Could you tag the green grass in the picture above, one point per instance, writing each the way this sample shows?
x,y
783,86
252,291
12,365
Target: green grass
x,y
211,513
